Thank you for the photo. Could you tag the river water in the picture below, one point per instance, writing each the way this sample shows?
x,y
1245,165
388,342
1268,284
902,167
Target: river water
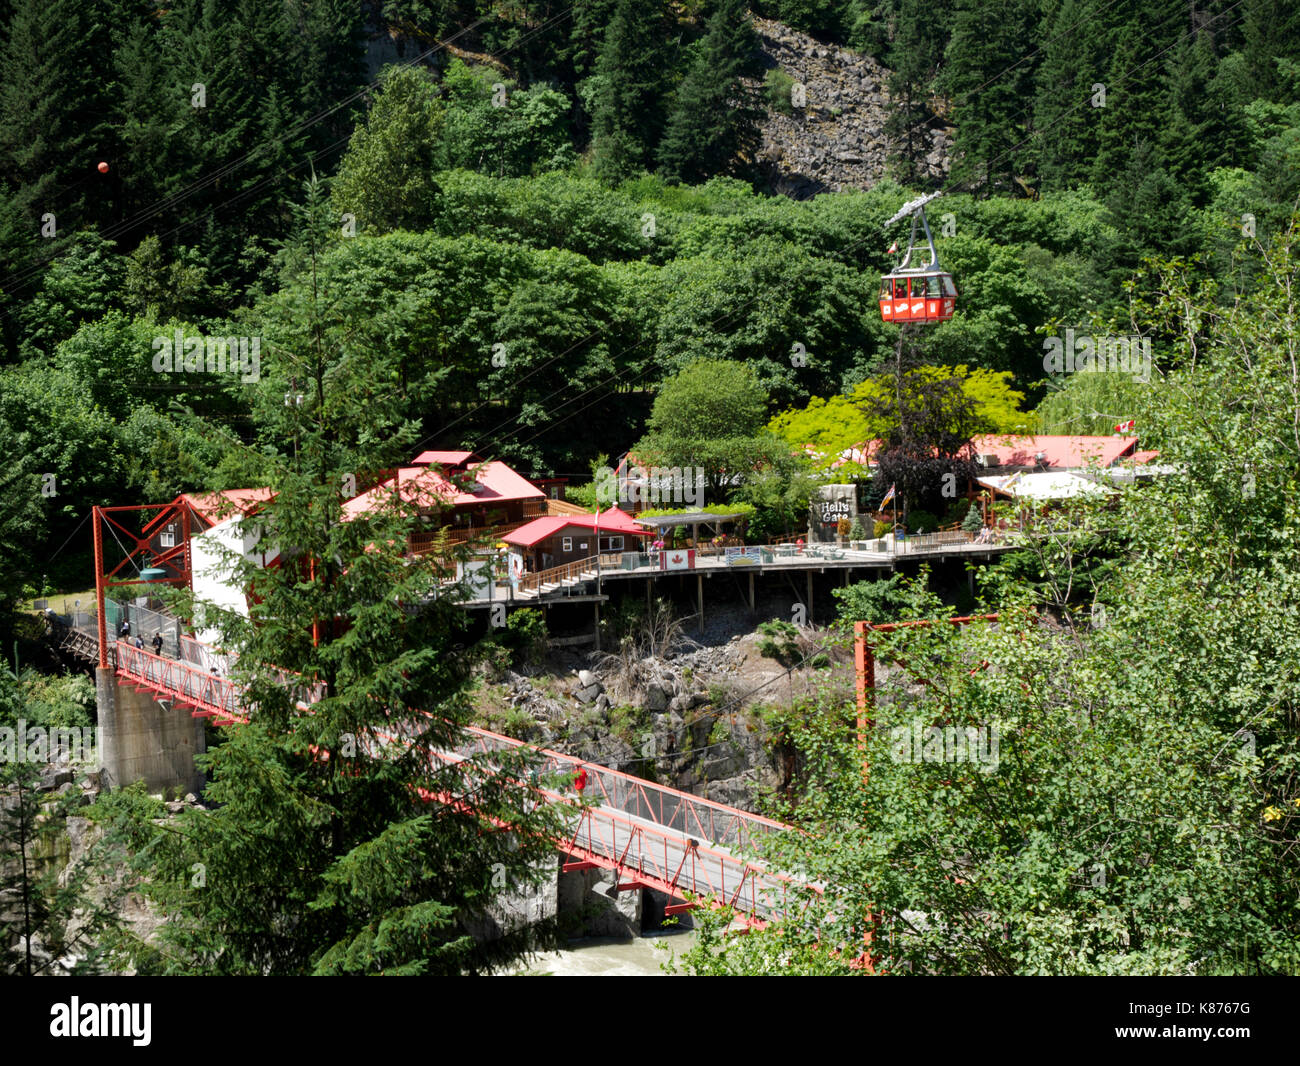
x,y
607,957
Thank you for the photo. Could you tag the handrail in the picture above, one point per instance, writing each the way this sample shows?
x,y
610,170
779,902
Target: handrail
x,y
661,837
557,574
423,543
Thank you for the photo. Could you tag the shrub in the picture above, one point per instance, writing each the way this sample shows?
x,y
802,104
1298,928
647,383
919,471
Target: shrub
x,y
527,637
881,529
780,641
922,522
871,601
778,85
857,531
974,521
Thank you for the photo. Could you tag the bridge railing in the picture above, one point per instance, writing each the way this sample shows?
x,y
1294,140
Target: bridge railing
x,y
680,811
670,839
180,680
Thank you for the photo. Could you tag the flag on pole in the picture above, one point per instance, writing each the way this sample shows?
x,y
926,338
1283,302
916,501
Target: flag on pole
x,y
888,496
1126,427
893,248
1006,485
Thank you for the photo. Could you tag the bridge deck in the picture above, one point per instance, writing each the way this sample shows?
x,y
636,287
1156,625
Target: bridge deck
x,y
842,560
652,836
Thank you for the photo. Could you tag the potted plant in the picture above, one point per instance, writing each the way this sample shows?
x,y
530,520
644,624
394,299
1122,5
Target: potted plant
x,y
858,535
842,530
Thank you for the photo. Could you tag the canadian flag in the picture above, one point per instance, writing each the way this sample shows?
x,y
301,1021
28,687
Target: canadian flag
x,y
893,248
1126,427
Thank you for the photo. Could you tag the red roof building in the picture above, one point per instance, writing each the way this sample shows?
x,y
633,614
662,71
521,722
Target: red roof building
x,y
1051,451
558,539
457,493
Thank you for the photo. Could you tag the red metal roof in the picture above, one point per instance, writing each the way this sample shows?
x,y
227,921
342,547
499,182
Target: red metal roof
x,y
1061,451
216,507
442,458
496,483
611,521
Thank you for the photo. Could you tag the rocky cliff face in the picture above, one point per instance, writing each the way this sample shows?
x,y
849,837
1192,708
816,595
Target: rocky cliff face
x,y
697,718
837,140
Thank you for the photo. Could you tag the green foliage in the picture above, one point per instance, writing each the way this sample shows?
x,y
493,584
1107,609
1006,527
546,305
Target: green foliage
x,y
886,600
842,422
714,117
628,89
386,178
357,869
54,907
710,415
779,640
526,635
921,522
1134,813
778,85
494,126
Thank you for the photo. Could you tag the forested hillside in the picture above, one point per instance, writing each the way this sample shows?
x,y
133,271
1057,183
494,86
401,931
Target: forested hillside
x,y
509,226
606,224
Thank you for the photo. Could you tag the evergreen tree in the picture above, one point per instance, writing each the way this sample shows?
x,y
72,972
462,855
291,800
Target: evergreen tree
x,y
231,156
990,78
714,116
631,84
920,35
1135,94
1065,131
1271,31
346,841
386,178
1202,130
54,111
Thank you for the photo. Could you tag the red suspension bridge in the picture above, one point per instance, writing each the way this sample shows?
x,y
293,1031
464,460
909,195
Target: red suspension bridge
x,y
649,835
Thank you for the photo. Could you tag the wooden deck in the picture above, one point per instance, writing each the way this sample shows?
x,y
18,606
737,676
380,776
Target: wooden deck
x,y
572,581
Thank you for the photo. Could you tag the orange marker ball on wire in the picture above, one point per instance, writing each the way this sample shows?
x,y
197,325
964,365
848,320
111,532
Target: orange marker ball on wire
x,y
103,168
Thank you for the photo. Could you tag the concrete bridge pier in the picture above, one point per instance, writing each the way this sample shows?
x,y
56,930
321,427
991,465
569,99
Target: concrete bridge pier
x,y
145,739
587,897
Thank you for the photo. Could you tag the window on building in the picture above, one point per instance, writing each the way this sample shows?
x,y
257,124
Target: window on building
x,y
168,538
567,544
611,544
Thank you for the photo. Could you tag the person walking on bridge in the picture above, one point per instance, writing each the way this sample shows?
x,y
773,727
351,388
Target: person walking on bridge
x,y
157,642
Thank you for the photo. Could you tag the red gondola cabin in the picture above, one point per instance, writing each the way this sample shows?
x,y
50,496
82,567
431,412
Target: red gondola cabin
x,y
917,297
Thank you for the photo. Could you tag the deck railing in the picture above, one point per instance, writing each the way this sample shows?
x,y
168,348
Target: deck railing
x,y
557,575
423,543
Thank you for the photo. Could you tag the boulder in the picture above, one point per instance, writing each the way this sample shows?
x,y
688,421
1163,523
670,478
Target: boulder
x,y
655,699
